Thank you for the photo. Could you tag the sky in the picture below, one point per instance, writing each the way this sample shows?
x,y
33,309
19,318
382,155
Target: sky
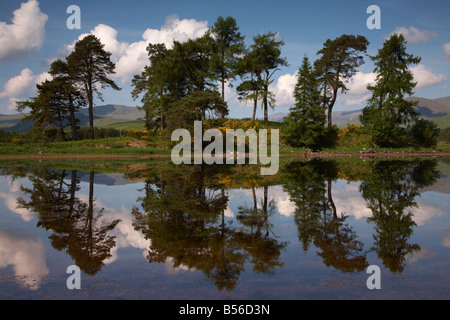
x,y
33,33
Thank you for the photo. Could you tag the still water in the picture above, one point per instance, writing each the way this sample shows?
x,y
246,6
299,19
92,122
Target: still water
x,y
158,231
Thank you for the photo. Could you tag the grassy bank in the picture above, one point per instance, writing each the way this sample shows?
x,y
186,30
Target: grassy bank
x,y
352,141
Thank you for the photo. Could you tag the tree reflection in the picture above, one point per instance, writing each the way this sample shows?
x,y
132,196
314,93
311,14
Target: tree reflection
x,y
183,214
309,186
390,192
75,225
256,235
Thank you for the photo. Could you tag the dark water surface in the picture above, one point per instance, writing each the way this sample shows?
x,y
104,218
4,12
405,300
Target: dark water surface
x,y
160,231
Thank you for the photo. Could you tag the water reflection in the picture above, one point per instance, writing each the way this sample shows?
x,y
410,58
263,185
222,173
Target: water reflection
x,y
183,213
74,224
309,186
391,192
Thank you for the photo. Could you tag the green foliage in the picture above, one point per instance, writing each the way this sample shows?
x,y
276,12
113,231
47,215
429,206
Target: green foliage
x,y
338,62
228,47
196,106
425,133
305,124
388,114
89,65
265,56
444,136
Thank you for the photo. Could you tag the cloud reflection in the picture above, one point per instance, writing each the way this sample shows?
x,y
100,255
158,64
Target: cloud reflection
x,y
27,256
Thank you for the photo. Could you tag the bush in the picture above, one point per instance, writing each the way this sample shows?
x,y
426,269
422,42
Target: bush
x,y
138,134
444,135
12,137
100,133
425,133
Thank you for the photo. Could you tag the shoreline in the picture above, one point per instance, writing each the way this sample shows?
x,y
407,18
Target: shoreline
x,y
306,155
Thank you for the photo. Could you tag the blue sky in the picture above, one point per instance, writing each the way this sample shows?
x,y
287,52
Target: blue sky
x,y
33,33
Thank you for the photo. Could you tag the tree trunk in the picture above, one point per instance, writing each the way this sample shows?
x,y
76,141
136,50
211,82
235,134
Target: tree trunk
x,y
266,111
330,108
330,199
91,110
255,104
73,120
162,119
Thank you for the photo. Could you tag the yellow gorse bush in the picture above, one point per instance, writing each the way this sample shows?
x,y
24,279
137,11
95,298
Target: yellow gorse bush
x,y
350,129
138,134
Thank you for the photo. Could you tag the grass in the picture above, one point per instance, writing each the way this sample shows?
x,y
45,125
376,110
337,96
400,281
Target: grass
x,y
350,141
106,146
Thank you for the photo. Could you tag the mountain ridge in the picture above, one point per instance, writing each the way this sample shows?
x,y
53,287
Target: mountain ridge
x,y
111,114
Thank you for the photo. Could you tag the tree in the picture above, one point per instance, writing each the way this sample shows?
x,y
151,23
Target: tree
x,y
195,107
73,98
305,124
252,86
388,114
229,46
90,66
266,52
150,82
52,108
337,64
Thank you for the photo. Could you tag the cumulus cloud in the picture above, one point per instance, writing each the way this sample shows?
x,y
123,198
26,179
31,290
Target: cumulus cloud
x,y
134,57
358,93
426,77
446,48
284,90
26,34
20,87
131,58
414,35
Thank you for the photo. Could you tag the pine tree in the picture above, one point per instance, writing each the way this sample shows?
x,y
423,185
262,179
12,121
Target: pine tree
x,y
338,62
90,66
305,124
388,115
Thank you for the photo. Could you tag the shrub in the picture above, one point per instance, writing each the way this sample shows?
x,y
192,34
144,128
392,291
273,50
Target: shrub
x,y
425,133
444,135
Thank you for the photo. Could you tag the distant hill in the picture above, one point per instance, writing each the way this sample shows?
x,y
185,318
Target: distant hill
x,y
119,112
437,110
118,116
432,108
124,117
444,100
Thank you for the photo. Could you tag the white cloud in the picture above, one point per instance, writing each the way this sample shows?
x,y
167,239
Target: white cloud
x,y
284,90
134,57
176,29
11,196
358,93
414,35
20,87
425,77
348,200
27,256
446,238
131,58
446,48
26,34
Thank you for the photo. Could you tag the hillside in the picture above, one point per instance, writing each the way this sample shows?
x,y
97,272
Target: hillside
x,y
115,116
125,117
437,110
